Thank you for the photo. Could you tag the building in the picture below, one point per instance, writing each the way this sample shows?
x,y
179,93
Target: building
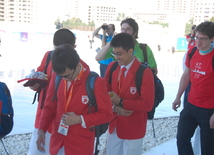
x,y
161,10
204,11
47,12
16,10
26,11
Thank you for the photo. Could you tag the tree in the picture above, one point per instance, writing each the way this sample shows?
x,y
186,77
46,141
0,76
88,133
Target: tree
x,y
212,19
159,23
76,23
58,23
120,16
188,26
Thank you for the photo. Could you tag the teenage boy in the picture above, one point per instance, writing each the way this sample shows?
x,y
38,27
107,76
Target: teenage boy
x,y
199,110
72,121
61,36
128,127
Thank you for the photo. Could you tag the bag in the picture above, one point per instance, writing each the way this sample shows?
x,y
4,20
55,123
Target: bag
x,y
100,129
159,89
6,111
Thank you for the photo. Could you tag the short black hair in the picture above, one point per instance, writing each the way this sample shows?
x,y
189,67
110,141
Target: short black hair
x,y
131,23
64,36
64,56
124,40
206,28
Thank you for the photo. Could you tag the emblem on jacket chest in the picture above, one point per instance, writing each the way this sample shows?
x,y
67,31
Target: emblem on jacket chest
x,y
133,90
85,99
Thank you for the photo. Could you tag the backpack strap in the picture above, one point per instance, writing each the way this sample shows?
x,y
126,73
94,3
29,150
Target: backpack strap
x,y
139,75
192,52
213,63
90,90
143,47
48,61
57,82
45,71
90,82
113,68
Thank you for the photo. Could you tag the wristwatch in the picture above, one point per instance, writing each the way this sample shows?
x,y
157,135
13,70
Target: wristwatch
x,y
121,103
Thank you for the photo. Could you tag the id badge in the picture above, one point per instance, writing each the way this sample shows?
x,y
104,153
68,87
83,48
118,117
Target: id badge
x,y
63,129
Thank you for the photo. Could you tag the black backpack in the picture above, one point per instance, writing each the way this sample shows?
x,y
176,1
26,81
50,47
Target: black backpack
x,y
99,129
159,89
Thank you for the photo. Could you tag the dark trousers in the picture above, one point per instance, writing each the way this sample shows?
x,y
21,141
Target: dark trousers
x,y
191,117
186,94
103,69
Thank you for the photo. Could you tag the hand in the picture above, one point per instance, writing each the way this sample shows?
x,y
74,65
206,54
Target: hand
x,y
115,99
35,87
212,122
176,104
70,118
41,140
121,111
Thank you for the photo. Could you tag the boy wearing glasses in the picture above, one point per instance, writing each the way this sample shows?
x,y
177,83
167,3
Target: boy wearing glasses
x,y
128,127
72,122
199,110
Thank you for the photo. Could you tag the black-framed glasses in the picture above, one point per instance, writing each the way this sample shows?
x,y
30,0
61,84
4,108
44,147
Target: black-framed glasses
x,y
201,39
69,76
117,54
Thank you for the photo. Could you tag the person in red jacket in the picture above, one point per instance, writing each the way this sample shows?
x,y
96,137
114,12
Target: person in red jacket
x,y
190,38
72,122
128,127
62,36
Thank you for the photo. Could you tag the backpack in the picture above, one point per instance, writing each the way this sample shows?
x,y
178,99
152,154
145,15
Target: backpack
x,y
6,111
99,129
38,91
159,89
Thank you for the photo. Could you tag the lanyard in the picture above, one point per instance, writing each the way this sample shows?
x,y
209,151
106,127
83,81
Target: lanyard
x,y
120,80
68,93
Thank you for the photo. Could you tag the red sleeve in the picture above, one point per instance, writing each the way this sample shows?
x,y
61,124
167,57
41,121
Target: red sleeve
x,y
43,63
104,113
49,110
187,36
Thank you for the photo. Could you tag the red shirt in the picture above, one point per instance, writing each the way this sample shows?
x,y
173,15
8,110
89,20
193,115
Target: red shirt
x,y
202,79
